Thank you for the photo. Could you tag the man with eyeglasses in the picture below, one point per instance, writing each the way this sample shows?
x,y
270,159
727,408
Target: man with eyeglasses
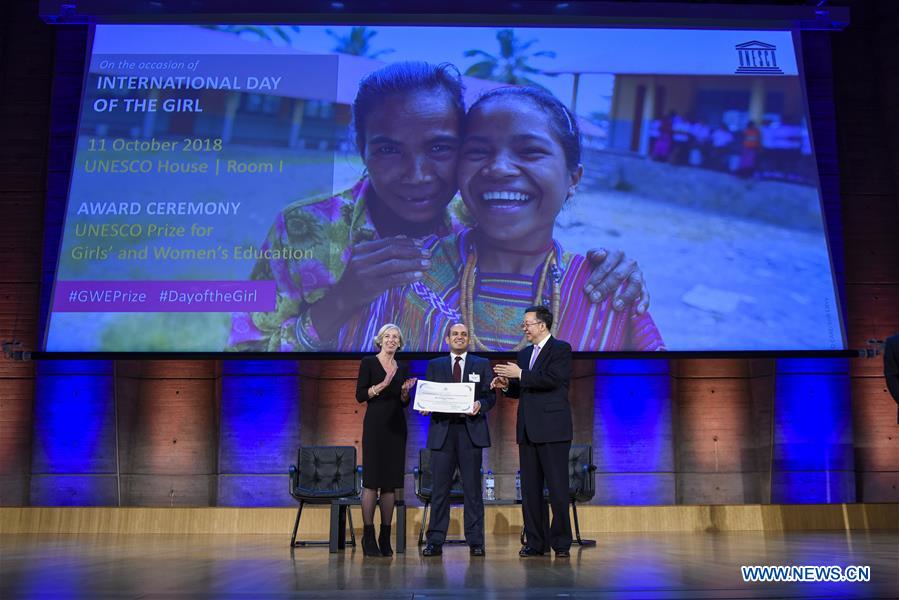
x,y
458,441
540,381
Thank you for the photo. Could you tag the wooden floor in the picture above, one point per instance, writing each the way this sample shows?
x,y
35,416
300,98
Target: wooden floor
x,y
622,565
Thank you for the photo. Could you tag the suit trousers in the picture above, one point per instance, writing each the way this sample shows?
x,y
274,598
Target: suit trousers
x,y
549,462
457,451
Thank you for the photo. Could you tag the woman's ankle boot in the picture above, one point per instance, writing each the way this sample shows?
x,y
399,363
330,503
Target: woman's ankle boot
x,y
369,544
384,541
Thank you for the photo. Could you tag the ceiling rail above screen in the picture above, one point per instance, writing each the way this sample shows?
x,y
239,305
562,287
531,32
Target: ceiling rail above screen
x,y
648,14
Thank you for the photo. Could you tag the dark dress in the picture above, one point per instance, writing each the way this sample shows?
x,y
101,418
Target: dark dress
x,y
384,426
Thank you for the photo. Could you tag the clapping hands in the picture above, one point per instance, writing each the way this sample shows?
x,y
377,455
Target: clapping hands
x,y
508,371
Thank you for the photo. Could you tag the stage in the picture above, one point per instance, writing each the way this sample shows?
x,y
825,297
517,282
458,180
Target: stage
x,y
152,401
641,552
622,565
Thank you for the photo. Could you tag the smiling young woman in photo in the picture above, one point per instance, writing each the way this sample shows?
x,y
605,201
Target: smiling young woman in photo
x,y
357,245
519,164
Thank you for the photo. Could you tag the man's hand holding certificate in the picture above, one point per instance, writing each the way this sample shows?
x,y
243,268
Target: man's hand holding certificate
x,y
431,396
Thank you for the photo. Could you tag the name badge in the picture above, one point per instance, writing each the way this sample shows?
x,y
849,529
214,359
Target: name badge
x,y
474,377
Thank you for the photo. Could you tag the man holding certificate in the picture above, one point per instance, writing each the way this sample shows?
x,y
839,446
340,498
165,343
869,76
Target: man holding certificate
x,y
456,393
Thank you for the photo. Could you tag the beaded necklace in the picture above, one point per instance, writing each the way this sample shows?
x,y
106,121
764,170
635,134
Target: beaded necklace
x,y
469,278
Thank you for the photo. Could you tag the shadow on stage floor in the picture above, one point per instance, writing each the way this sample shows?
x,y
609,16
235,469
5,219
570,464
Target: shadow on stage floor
x,y
641,566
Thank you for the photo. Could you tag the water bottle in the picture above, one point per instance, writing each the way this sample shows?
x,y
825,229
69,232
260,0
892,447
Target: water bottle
x,y
518,485
490,485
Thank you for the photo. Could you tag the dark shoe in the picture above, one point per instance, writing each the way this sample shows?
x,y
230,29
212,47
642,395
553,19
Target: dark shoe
x,y
527,551
563,554
477,551
432,550
369,544
384,541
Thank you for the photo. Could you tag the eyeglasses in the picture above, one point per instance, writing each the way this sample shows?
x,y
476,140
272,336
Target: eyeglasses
x,y
527,324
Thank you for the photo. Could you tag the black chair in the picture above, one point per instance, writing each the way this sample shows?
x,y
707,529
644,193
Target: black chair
x,y
327,475
581,486
424,488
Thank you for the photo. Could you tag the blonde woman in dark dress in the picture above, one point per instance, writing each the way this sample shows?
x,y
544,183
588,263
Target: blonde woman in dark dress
x,y
384,385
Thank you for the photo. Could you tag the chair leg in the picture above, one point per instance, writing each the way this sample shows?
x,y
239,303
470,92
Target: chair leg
x,y
577,529
349,516
424,520
333,531
296,525
521,537
341,526
336,532
401,528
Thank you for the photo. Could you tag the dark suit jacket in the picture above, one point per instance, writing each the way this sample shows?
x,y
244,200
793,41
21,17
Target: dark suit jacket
x,y
441,369
891,366
543,408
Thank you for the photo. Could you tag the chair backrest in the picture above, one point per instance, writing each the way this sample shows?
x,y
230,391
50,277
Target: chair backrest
x,y
425,479
327,472
581,473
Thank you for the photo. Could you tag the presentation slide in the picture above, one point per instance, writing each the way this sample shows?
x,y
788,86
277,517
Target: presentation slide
x,y
292,188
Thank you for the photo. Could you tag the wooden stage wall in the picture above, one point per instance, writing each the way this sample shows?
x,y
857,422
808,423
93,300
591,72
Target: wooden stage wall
x,y
499,520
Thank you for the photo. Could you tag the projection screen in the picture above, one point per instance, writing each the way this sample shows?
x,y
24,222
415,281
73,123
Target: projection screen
x,y
292,188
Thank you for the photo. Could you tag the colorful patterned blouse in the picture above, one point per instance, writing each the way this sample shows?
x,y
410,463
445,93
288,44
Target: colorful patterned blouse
x,y
322,231
424,311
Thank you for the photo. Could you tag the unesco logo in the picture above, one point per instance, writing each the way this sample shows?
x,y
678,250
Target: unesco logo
x,y
757,58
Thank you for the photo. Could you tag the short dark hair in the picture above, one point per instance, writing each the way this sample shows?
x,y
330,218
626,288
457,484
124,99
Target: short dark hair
x,y
405,78
561,120
542,314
